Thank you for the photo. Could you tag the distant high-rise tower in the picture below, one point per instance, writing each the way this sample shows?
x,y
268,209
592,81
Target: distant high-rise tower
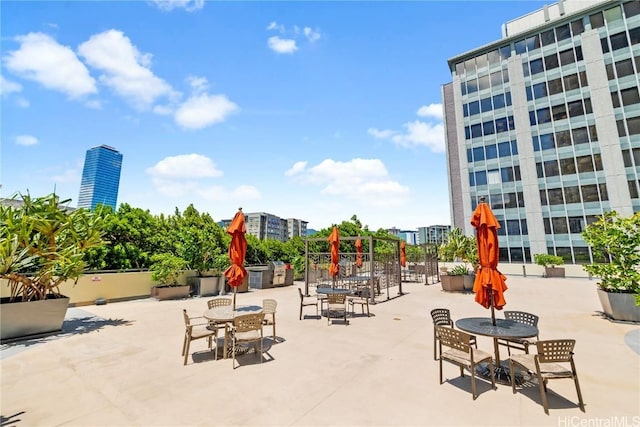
x,y
100,177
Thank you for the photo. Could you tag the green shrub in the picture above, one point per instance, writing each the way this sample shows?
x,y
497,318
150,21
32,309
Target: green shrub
x,y
548,260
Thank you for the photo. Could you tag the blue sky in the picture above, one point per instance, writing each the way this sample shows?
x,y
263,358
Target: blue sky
x,y
310,110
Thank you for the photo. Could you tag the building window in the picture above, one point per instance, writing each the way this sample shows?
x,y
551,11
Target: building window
x,y
619,41
563,32
630,96
596,20
631,8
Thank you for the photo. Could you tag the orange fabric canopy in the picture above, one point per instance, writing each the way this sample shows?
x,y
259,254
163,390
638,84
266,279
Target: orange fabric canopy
x,y
236,273
358,252
403,254
334,240
488,277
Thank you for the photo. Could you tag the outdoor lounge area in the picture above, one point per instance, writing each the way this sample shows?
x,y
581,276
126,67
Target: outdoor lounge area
x,y
120,364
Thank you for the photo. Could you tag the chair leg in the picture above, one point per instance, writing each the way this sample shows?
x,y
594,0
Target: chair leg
x,y
493,377
575,380
184,344
473,382
186,353
440,362
233,353
300,311
435,348
512,375
543,393
261,350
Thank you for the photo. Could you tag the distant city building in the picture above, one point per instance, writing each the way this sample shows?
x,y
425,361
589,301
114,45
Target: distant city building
x,y
100,177
409,236
434,234
296,228
545,124
394,231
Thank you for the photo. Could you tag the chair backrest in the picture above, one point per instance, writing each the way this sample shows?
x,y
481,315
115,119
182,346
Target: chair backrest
x,y
187,320
453,338
441,316
521,317
248,322
301,294
219,302
269,306
336,298
555,350
364,291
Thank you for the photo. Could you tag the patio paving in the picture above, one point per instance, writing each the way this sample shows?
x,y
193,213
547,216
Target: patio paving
x,y
119,365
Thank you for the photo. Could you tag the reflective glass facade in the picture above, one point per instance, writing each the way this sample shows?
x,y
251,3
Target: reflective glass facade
x,y
545,124
100,177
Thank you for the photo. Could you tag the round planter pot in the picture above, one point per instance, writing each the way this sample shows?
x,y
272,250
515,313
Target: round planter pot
x,y
619,306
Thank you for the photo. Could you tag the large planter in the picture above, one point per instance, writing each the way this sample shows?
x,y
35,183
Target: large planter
x,y
205,285
468,280
554,271
452,283
170,292
25,319
619,306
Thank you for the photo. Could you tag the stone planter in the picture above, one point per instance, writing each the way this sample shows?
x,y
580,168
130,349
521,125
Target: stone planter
x,y
205,285
554,271
452,283
24,319
619,306
170,292
469,279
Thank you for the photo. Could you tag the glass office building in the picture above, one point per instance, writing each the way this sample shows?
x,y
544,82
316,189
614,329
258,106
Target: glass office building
x,y
100,177
545,124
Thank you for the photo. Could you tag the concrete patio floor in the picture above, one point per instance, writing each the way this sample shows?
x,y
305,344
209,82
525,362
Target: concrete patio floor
x,y
121,366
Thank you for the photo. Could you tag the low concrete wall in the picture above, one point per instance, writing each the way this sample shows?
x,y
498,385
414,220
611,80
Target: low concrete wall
x,y
110,286
514,269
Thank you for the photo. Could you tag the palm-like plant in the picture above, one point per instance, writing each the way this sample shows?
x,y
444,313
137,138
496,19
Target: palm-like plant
x,y
42,244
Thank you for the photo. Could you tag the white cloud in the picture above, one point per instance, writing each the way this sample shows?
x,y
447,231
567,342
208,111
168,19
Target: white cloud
x,y
198,84
279,45
26,140
7,86
41,59
418,133
296,168
240,194
422,134
169,5
126,70
200,111
94,104
381,134
431,110
184,166
311,35
366,181
274,26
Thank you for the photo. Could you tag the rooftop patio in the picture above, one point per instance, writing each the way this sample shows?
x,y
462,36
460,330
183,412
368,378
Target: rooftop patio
x,y
120,365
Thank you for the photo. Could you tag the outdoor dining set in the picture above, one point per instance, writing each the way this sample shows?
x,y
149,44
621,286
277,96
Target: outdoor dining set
x,y
336,299
519,331
242,324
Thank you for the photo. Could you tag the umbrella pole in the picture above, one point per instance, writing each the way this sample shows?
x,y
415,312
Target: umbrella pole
x,y
493,313
235,288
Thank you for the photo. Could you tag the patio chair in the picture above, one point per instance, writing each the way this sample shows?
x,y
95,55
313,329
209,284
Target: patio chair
x,y
337,304
218,302
361,299
462,354
307,302
269,310
247,328
442,317
519,343
196,331
554,360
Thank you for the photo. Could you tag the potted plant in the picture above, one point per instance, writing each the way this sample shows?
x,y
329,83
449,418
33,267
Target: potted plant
x,y
42,245
617,242
166,269
462,248
453,281
549,262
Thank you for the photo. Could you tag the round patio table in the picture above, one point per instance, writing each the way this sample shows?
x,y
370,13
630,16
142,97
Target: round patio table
x,y
328,291
225,314
504,328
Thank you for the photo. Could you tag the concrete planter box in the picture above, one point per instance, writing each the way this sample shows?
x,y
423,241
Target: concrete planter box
x,y
619,306
554,271
170,292
205,285
469,279
24,319
452,283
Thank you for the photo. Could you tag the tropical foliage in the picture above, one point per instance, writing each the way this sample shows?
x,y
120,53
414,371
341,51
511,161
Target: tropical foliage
x,y
548,260
617,240
43,243
460,247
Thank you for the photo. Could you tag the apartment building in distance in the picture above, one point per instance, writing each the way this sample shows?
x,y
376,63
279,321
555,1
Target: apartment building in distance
x,y
545,124
100,177
267,226
434,234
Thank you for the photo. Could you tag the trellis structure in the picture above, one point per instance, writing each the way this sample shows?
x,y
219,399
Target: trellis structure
x,y
380,271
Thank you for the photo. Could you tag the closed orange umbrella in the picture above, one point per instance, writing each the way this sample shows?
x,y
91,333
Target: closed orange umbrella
x,y
236,273
334,240
489,284
358,252
403,254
